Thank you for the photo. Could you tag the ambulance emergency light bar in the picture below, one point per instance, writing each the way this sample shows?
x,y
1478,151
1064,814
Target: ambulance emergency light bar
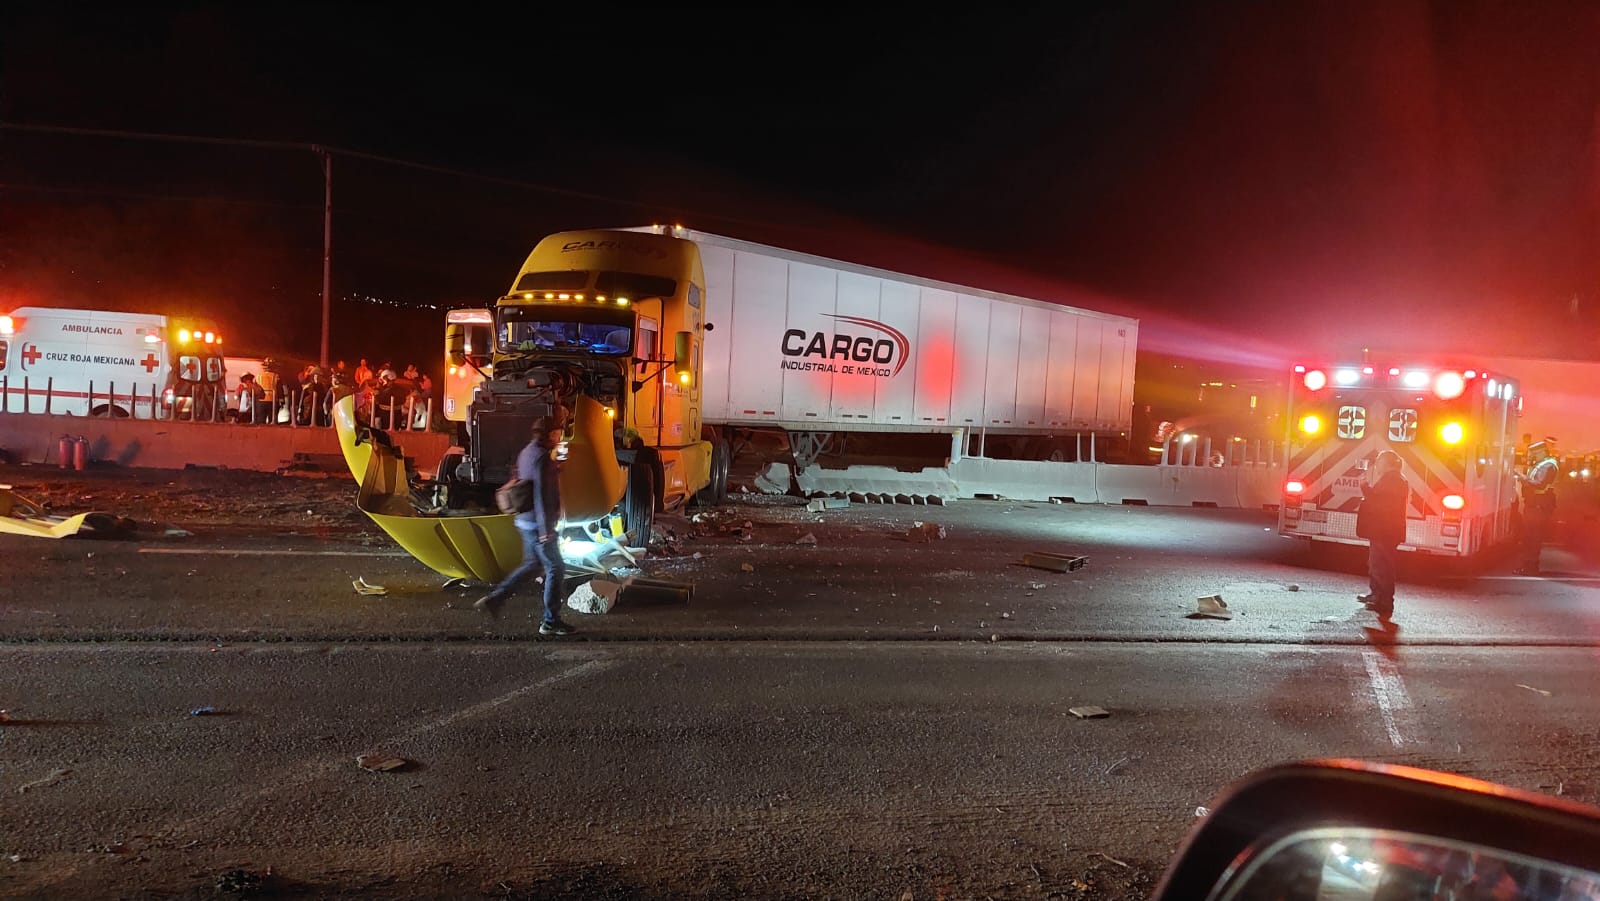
x,y
1446,384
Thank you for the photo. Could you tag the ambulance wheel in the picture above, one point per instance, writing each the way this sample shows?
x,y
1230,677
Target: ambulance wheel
x,y
639,503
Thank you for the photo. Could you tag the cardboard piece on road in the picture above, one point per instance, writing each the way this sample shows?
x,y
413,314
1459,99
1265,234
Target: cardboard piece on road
x,y
1055,562
1211,606
381,763
1089,713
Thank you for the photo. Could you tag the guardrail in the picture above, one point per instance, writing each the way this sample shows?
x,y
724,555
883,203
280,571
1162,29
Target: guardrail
x,y
294,408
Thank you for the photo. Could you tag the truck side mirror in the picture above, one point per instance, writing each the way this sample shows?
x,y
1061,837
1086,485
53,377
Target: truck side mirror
x,y
682,353
455,344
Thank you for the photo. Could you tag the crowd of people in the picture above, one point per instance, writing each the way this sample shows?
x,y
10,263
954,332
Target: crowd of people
x,y
384,398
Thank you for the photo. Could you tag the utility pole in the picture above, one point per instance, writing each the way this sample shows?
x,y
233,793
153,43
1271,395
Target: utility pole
x,y
327,247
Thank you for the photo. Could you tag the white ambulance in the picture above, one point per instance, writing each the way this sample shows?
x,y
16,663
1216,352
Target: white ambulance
x,y
98,363
1453,427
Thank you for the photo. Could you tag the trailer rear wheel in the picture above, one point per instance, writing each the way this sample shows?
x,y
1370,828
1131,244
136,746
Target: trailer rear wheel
x,y
716,490
639,503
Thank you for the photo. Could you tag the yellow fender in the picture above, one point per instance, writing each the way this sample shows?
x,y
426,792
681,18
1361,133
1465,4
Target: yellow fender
x,y
20,516
486,546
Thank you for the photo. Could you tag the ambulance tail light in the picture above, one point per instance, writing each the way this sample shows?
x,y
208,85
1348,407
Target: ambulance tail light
x,y
1294,488
1453,502
1451,433
1310,424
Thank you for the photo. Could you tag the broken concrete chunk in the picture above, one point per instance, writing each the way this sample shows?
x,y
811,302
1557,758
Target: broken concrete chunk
x,y
924,532
1211,606
1089,713
595,596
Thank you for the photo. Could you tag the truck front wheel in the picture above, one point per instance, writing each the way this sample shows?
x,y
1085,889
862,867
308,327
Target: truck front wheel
x,y
639,503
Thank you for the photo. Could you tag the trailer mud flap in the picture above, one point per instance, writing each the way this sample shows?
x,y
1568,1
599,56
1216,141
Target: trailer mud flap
x,y
483,547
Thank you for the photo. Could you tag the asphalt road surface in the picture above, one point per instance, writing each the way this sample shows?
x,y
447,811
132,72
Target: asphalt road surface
x,y
861,717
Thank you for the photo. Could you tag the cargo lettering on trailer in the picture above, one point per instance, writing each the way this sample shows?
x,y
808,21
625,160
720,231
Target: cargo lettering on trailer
x,y
843,346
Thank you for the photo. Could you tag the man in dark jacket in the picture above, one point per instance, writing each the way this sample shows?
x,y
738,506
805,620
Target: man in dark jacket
x,y
541,548
1382,521
1538,502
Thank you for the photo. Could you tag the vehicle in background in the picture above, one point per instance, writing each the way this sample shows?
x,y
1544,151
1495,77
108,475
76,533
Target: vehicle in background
x,y
103,363
233,368
1454,430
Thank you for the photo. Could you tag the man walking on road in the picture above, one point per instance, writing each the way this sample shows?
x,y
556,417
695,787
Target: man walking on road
x,y
541,548
1538,502
1382,521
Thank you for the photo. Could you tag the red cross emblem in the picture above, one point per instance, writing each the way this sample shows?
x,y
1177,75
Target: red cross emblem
x,y
31,354
150,363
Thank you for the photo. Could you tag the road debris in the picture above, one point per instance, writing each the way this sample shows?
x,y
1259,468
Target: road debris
x,y
361,587
204,711
1535,690
1202,811
1089,712
595,596
1294,587
381,763
241,881
54,777
1052,561
1119,863
177,533
808,539
924,532
639,590
819,504
1210,606
746,568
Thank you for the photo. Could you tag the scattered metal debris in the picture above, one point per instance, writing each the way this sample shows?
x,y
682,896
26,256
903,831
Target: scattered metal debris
x,y
361,587
1055,562
204,711
54,777
381,763
1089,713
1535,690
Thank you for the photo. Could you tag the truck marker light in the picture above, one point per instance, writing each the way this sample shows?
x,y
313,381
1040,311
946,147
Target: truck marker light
x,y
611,412
1453,502
577,297
1451,432
1310,425
683,378
565,296
549,295
622,301
1316,380
1449,385
1293,486
528,296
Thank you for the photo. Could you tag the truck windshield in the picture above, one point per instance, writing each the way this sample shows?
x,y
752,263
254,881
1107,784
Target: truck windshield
x,y
564,328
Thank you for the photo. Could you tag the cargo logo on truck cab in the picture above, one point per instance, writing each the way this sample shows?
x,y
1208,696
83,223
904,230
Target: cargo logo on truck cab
x,y
891,348
644,250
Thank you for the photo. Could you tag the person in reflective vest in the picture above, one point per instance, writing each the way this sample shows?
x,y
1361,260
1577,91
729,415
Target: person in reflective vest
x,y
1538,502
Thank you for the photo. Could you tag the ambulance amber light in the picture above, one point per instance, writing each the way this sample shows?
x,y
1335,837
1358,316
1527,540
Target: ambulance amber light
x,y
1453,502
1451,432
1449,385
1293,487
1310,425
1316,380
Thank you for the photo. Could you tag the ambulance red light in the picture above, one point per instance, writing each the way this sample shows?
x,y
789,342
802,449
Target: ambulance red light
x,y
1294,487
1453,502
1449,385
1316,380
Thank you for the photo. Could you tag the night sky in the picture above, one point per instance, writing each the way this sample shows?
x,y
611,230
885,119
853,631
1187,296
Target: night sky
x,y
1258,182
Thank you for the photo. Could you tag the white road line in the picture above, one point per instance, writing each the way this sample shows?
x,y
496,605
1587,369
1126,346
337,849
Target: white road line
x,y
1389,691
288,781
267,552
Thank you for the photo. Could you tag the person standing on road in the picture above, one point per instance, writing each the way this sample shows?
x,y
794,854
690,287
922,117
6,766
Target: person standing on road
x,y
1538,502
541,547
1382,521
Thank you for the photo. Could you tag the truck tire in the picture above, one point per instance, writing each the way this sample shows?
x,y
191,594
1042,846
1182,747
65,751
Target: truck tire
x,y
716,490
639,503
